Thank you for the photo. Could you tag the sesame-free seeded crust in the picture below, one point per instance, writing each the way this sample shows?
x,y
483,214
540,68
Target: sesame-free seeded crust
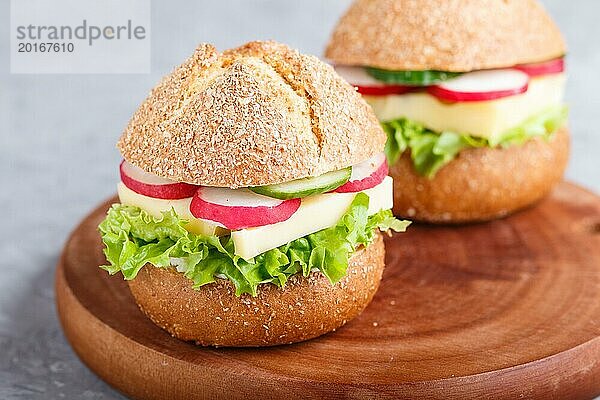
x,y
445,35
256,115
214,316
481,184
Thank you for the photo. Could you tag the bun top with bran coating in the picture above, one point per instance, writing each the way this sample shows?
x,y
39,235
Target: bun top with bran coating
x,y
445,35
259,114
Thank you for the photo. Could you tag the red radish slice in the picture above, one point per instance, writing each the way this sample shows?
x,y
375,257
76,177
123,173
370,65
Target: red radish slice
x,y
482,86
555,66
366,84
237,209
154,186
366,175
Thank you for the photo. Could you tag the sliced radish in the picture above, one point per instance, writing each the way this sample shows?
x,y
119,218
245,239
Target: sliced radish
x,y
366,175
154,186
366,84
237,209
482,86
555,66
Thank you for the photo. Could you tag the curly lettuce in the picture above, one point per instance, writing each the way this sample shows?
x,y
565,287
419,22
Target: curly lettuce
x,y
430,150
133,238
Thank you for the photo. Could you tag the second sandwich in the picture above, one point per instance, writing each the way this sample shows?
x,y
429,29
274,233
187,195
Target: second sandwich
x,y
470,93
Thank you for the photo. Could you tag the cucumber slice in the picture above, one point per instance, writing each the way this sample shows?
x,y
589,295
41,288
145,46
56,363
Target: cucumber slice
x,y
306,186
411,78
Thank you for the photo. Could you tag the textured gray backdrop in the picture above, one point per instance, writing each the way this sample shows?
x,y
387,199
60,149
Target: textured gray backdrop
x,y
58,158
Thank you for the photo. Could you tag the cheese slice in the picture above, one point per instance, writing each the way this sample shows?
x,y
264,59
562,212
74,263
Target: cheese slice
x,y
486,119
315,213
155,207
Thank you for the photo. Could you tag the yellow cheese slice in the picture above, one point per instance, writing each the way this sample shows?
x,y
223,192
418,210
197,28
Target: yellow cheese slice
x,y
155,207
315,213
486,119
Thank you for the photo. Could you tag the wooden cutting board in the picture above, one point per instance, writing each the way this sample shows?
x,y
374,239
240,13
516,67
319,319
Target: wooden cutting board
x,y
508,309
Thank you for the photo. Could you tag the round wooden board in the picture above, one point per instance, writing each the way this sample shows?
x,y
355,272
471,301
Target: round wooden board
x,y
507,309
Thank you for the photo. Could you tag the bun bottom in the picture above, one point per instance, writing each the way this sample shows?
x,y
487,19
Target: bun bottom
x,y
481,184
304,309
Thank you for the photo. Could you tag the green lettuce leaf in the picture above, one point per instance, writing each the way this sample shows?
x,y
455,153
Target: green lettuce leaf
x,y
133,238
430,150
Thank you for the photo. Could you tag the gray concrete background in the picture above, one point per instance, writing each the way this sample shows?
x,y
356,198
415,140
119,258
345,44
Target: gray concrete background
x,y
58,158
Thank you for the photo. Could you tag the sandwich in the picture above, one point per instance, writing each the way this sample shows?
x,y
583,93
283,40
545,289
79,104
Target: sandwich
x,y
252,201
470,94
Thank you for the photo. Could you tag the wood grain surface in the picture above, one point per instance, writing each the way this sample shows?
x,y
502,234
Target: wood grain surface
x,y
508,309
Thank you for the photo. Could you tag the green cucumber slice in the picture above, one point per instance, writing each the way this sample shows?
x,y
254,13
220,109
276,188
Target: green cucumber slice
x,y
305,187
411,78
